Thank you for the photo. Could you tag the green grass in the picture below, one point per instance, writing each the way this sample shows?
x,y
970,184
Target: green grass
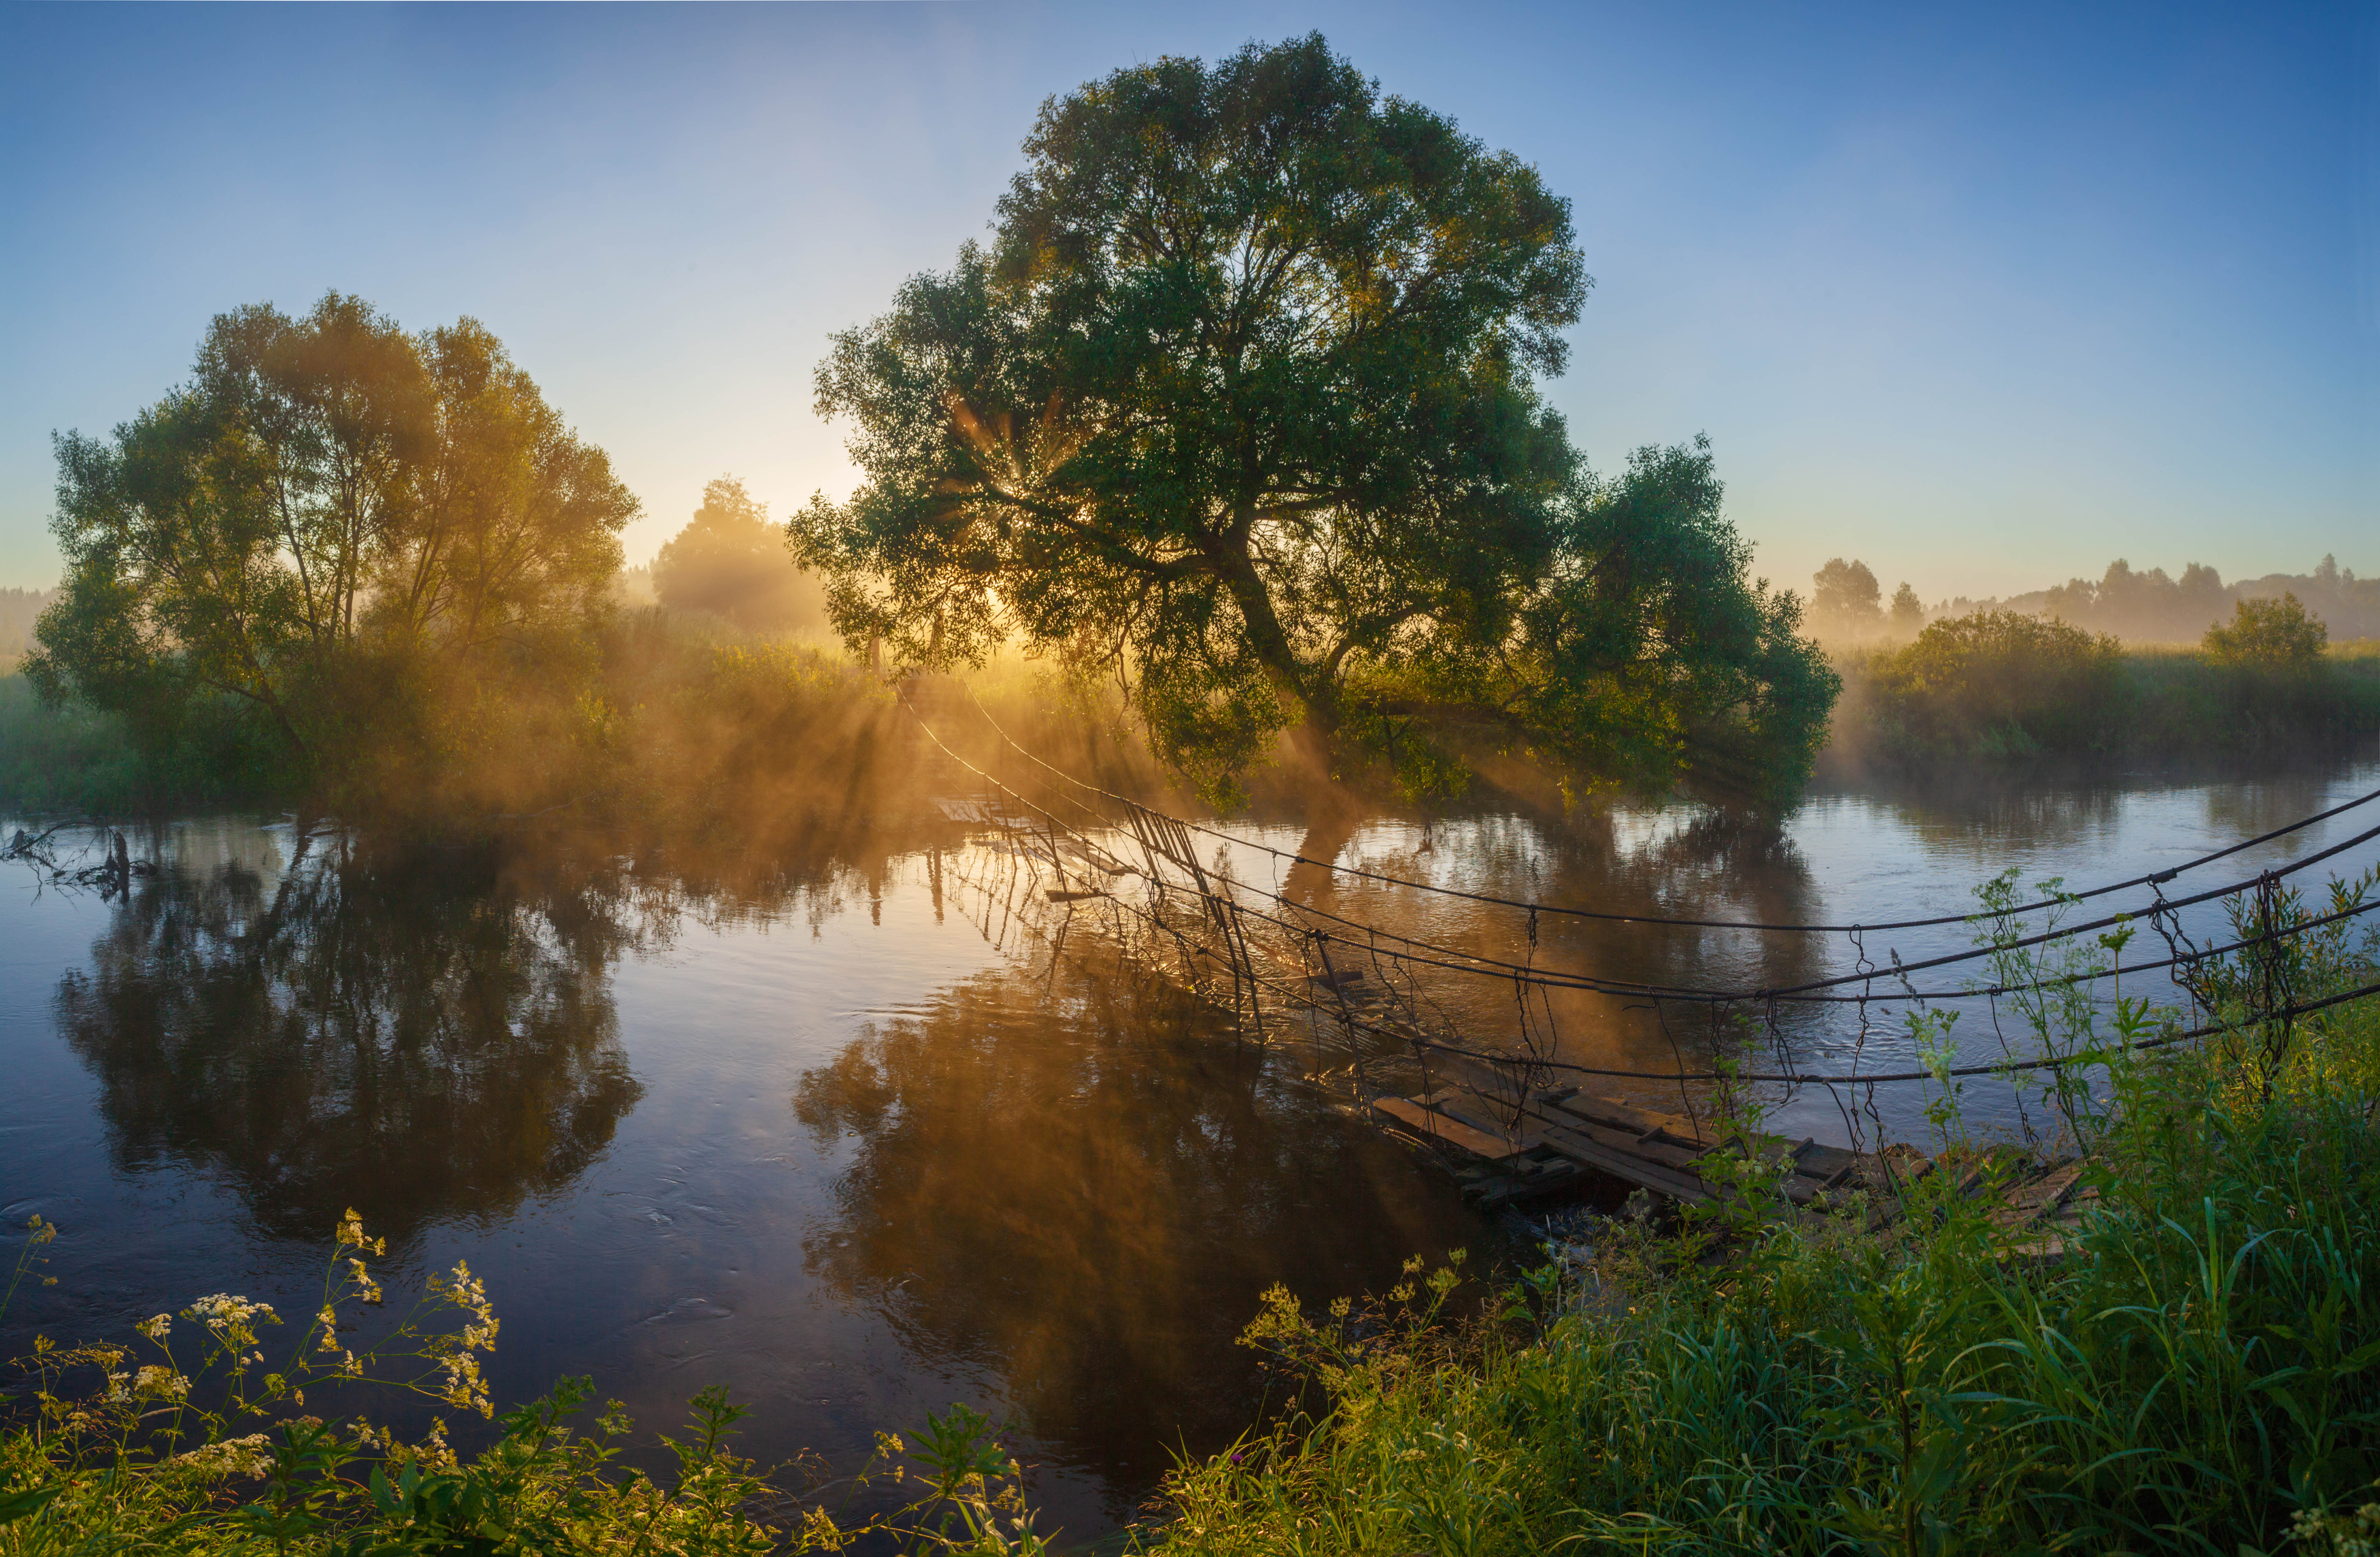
x,y
2200,1373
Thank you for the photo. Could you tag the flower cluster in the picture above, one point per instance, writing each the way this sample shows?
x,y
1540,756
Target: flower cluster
x,y
2339,1533
151,1382
351,1234
464,1385
223,1308
251,1455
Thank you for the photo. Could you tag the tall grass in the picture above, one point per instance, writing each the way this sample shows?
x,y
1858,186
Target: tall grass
x,y
2197,1372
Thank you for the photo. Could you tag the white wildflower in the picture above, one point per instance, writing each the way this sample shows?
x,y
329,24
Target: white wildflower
x,y
222,1307
156,1383
251,1455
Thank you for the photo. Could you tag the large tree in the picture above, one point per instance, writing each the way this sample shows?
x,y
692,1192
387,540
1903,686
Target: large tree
x,y
1241,400
327,495
730,559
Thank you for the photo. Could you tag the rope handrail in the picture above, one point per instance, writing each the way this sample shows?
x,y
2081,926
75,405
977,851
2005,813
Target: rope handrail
x,y
1340,1014
2156,878
1808,991
2099,1055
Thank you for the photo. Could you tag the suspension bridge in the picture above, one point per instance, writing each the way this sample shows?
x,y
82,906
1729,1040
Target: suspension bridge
x,y
1379,1014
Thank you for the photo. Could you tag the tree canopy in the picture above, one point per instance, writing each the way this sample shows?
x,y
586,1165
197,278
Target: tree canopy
x,y
1846,593
1239,402
1908,611
2274,635
730,559
322,491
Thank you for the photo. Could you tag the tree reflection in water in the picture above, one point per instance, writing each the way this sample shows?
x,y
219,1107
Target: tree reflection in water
x,y
421,1040
1066,1176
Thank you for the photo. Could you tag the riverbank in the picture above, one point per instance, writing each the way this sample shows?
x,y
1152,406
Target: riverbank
x,y
2030,708
2197,1368
677,724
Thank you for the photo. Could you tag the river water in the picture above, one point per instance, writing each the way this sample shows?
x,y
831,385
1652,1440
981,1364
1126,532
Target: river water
x,y
828,1132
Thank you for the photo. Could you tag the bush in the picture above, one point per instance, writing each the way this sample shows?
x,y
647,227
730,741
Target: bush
x,y
1998,684
2269,635
77,759
210,1450
654,717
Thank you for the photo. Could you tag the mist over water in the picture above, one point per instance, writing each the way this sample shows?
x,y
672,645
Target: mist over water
x,y
825,1130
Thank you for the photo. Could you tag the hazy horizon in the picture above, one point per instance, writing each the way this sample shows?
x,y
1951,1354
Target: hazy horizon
x,y
1986,299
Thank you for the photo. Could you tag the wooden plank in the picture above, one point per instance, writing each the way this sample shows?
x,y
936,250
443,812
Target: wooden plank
x,y
1627,1166
1826,1163
1438,1127
1613,1114
1484,1116
1652,1148
2041,1198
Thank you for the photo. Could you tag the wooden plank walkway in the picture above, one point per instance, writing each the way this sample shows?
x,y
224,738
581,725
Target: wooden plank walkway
x,y
1556,1139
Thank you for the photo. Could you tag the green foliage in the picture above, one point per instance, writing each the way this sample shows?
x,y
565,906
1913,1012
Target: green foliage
x,y
211,1449
653,719
1978,688
730,559
1996,684
2270,636
2198,1372
77,759
334,522
1241,404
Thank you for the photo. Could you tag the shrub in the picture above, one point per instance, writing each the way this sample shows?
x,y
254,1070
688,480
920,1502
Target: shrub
x,y
2269,635
2000,683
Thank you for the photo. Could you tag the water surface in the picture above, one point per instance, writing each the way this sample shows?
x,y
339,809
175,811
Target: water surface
x,y
839,1133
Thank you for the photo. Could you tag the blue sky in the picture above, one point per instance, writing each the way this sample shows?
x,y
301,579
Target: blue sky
x,y
1986,295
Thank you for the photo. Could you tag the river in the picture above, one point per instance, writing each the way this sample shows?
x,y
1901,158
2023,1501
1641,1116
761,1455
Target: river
x,y
826,1132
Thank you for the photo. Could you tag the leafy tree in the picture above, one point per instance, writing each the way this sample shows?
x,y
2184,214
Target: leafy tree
x,y
1241,404
1846,593
729,559
328,507
1908,611
2272,635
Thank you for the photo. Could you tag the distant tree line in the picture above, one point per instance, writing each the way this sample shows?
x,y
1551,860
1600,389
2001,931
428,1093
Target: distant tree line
x,y
2145,606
